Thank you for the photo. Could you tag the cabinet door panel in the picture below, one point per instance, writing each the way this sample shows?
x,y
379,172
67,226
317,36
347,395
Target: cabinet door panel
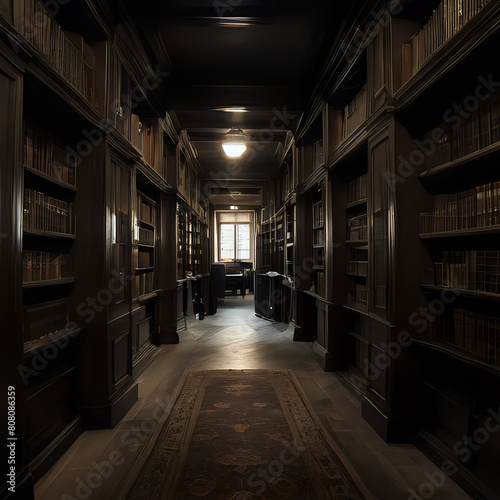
x,y
380,229
120,234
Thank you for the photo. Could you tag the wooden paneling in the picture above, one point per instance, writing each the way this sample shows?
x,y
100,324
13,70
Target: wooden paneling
x,y
120,358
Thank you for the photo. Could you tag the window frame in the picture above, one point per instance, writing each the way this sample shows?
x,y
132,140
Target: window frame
x,y
249,223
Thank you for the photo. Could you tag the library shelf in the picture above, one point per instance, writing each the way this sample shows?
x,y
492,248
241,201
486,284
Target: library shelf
x,y
450,168
466,294
50,178
357,336
356,141
374,318
154,177
355,275
49,234
42,73
458,354
57,336
480,29
314,178
99,184
318,297
147,297
477,231
364,307
43,283
355,310
363,243
357,203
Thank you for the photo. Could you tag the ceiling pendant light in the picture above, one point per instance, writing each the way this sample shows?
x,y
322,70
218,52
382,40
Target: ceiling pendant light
x,y
234,143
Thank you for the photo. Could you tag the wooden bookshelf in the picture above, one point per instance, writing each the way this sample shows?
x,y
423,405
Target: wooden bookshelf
x,y
192,254
146,238
69,53
458,233
445,22
145,251
290,241
48,282
343,219
83,157
318,245
265,245
357,248
468,294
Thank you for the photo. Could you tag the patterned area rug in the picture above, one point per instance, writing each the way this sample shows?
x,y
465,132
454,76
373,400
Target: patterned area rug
x,y
244,435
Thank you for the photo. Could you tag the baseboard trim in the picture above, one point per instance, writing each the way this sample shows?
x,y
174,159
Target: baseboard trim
x,y
57,447
24,489
109,416
439,453
324,358
391,430
169,336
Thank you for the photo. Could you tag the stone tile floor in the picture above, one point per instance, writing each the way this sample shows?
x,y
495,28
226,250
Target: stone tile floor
x,y
99,462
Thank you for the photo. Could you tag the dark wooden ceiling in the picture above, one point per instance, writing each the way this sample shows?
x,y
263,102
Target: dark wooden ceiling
x,y
258,55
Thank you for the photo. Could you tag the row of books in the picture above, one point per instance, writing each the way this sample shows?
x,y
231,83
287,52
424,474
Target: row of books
x,y
477,333
144,259
144,283
146,236
319,237
447,19
147,210
47,214
44,152
152,145
357,189
43,266
68,52
478,129
318,214
341,123
357,267
319,158
45,318
357,295
288,178
188,185
357,228
147,137
355,112
279,230
475,208
477,270
318,257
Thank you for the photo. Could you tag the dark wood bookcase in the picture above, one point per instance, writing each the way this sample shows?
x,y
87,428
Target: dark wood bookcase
x,y
384,217
192,248
403,153
92,176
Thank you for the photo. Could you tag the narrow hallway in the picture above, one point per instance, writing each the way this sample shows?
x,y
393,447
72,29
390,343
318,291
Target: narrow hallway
x,y
99,462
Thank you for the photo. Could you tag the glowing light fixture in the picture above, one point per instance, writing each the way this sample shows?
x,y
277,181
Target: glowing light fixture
x,y
232,110
234,143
